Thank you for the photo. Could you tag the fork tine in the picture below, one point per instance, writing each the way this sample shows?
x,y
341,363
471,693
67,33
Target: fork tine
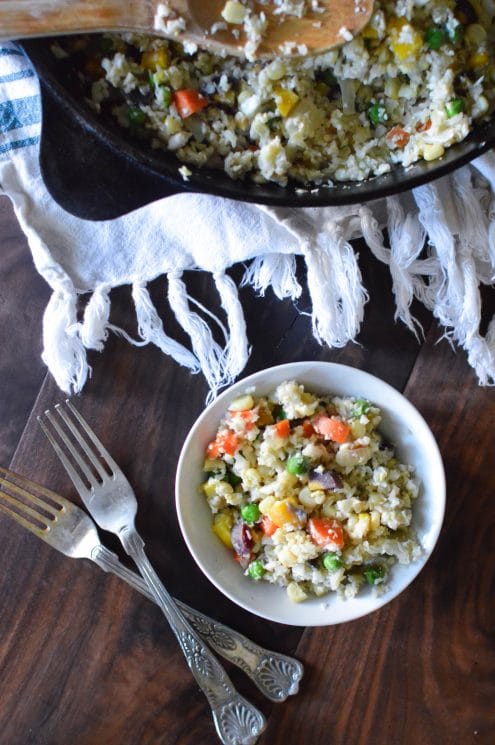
x,y
81,487
9,491
36,529
94,439
33,491
8,501
80,441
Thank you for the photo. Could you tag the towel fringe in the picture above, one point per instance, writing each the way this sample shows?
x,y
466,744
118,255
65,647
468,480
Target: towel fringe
x,y
335,286
93,331
63,351
237,350
207,351
150,329
277,271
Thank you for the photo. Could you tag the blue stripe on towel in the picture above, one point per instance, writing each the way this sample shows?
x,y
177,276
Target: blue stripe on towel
x,y
16,76
19,113
7,51
18,144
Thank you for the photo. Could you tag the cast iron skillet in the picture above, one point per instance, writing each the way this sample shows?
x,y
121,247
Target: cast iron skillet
x,y
94,172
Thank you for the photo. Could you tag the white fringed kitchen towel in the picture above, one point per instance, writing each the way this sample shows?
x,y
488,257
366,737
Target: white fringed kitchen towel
x,y
454,216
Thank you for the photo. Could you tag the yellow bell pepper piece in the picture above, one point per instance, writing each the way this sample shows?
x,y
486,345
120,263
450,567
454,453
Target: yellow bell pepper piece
x,y
405,42
285,100
283,512
222,525
155,58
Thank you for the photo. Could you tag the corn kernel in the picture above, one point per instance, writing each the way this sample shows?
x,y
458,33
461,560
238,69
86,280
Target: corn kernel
x,y
210,487
477,60
432,152
392,87
154,58
374,520
296,593
266,505
234,12
475,34
285,100
369,32
243,403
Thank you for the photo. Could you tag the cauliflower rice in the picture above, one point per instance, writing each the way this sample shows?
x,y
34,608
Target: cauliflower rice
x,y
412,84
307,493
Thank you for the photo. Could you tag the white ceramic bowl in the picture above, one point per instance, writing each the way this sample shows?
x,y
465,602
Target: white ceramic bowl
x,y
402,425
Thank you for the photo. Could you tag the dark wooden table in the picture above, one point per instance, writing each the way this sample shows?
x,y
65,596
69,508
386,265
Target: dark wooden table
x,y
84,660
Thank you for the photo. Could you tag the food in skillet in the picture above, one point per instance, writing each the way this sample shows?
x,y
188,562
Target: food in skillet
x,y
307,494
413,83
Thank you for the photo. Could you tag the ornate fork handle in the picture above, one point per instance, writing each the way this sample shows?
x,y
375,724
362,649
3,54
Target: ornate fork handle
x,y
276,675
236,720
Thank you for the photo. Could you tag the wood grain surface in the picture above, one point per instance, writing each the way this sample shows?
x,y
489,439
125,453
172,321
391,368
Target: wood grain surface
x,y
84,660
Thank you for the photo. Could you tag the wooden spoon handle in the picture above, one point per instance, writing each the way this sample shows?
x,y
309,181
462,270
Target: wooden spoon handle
x,y
21,19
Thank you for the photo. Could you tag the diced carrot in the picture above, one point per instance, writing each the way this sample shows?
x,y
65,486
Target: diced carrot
x,y
308,428
423,126
283,428
398,137
247,417
188,102
331,429
268,526
213,449
225,442
229,442
326,531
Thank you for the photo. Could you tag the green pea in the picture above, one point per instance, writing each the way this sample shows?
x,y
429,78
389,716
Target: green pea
x,y
361,407
374,574
454,107
136,116
256,570
332,562
297,464
377,114
250,513
435,37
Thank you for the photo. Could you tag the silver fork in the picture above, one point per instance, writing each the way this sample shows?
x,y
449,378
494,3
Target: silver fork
x,y
110,500
70,530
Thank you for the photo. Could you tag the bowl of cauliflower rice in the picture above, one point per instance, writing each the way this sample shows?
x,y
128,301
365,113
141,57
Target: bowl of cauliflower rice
x,y
310,493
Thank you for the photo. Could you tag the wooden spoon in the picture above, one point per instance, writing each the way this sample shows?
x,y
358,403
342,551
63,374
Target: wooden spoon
x,y
315,32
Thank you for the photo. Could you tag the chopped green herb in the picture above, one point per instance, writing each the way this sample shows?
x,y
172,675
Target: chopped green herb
x,y
454,107
374,574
